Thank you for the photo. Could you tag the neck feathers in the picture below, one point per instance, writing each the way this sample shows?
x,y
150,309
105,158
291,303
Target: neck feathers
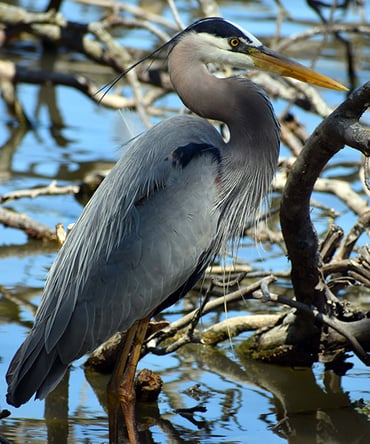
x,y
250,157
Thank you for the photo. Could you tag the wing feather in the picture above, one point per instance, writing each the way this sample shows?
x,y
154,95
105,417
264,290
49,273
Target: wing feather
x,y
138,241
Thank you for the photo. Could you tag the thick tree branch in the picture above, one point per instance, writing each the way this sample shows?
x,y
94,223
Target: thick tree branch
x,y
340,128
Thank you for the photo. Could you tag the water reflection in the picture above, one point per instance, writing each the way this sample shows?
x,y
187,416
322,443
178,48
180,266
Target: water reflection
x,y
304,409
300,409
8,149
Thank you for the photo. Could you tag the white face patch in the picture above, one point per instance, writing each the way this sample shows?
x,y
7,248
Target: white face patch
x,y
211,49
210,41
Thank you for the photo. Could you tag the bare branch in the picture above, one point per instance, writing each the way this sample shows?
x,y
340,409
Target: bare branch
x,y
362,224
76,81
29,226
136,11
49,190
340,128
174,327
339,327
232,327
321,30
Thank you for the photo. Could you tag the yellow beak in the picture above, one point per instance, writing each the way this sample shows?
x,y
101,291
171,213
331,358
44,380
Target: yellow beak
x,y
270,61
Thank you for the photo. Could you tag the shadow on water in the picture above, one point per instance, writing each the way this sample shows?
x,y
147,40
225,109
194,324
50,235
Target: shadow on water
x,y
301,408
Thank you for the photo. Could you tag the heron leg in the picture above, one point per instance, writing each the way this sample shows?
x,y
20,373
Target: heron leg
x,y
126,391
122,382
113,403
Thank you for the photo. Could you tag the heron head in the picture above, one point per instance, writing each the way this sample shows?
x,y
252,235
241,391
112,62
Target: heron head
x,y
217,40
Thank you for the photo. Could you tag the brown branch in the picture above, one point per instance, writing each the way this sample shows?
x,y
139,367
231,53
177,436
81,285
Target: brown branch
x,y
340,128
174,327
321,30
346,266
54,28
344,192
232,327
293,91
331,243
140,13
8,92
337,187
362,224
76,81
29,226
50,190
14,15
339,327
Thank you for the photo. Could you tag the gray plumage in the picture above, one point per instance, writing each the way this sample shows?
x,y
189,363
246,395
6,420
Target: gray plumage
x,y
177,196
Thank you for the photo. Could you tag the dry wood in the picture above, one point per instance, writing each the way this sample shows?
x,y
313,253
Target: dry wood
x,y
32,228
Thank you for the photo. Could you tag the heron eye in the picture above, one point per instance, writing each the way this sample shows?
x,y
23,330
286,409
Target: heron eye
x,y
234,42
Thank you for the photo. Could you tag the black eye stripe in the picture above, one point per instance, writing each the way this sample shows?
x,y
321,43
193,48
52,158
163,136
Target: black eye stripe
x,y
247,39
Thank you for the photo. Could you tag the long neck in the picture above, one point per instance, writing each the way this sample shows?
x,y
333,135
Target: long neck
x,y
200,91
235,101
250,156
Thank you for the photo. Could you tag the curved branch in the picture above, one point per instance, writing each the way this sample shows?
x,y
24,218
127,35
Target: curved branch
x,y
341,127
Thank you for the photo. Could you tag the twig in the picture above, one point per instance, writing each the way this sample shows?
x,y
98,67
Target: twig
x,y
347,44
7,87
50,190
346,265
176,14
293,91
331,243
362,224
289,139
174,327
344,192
226,269
322,318
337,187
188,335
119,52
134,10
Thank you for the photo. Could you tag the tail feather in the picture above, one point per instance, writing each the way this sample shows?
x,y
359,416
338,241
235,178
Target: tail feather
x,y
33,370
26,355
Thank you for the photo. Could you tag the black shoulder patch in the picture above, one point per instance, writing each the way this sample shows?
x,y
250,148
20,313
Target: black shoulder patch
x,y
216,26
184,154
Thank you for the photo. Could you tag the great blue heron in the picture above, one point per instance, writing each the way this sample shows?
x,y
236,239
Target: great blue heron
x,y
172,201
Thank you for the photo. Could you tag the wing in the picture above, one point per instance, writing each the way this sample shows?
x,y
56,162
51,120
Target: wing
x,y
149,227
